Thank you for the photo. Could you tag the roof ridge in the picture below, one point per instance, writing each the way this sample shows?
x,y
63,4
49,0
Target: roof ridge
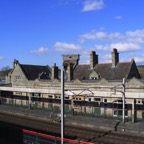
x,y
83,64
33,65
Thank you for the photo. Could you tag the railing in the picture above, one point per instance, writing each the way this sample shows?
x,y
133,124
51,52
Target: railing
x,y
31,137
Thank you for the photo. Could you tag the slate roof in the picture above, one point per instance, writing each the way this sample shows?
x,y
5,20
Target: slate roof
x,y
105,71
141,71
32,72
108,72
81,72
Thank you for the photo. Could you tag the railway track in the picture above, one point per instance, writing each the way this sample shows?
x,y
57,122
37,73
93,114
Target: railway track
x,y
86,134
106,137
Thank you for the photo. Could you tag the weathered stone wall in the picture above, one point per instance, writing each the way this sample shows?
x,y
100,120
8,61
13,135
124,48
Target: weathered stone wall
x,y
18,79
83,91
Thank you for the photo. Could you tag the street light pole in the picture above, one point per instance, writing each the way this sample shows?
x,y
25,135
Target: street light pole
x,y
62,105
123,98
123,84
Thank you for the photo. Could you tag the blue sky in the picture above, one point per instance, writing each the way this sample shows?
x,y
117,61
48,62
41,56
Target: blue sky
x,y
39,32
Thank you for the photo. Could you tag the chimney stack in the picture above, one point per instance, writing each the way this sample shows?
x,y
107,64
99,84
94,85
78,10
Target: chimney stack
x,y
69,64
93,59
115,57
15,62
54,72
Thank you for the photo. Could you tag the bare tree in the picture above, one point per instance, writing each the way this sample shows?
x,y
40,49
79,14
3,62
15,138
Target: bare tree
x,y
4,71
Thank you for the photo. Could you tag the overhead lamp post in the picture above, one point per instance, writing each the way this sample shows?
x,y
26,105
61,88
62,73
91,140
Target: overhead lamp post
x,y
123,92
62,105
123,98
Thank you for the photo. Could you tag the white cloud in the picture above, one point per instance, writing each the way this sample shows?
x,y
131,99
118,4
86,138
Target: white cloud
x,y
41,50
1,57
128,43
136,36
102,47
90,5
123,47
106,58
136,33
67,2
118,17
62,46
93,35
137,56
139,59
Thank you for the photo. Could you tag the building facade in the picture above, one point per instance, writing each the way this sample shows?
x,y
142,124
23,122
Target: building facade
x,y
94,88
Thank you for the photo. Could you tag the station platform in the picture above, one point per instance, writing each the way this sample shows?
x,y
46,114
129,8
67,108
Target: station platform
x,y
94,122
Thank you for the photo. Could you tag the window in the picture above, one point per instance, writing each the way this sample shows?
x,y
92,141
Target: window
x,y
139,101
76,98
120,101
105,105
120,112
97,99
115,113
93,78
115,105
18,93
50,96
89,99
66,97
57,97
126,113
17,77
105,100
118,108
36,94
139,107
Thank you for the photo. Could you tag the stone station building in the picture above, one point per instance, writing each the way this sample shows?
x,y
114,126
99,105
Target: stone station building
x,y
95,88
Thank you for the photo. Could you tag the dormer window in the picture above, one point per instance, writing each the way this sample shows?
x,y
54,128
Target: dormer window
x,y
94,78
94,75
43,75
